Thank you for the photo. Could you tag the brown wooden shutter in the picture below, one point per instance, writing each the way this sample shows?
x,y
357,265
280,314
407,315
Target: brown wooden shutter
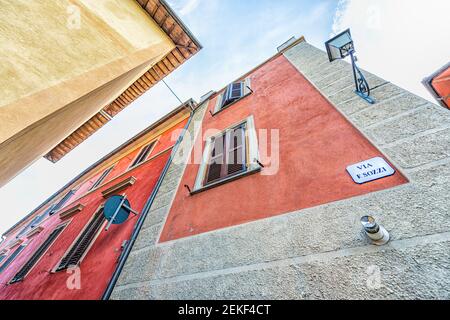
x,y
228,155
72,258
236,151
37,255
216,161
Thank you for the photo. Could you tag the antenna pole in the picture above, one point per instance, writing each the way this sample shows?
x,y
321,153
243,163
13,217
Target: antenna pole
x,y
172,91
162,79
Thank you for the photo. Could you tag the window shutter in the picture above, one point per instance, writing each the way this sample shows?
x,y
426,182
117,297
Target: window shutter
x,y
247,86
80,246
236,151
37,255
228,156
234,92
216,161
219,102
12,257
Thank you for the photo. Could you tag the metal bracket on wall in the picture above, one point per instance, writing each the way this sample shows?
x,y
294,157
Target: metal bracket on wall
x,y
362,86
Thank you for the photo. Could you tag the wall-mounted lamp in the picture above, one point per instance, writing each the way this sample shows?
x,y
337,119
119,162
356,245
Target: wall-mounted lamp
x,y
340,47
376,233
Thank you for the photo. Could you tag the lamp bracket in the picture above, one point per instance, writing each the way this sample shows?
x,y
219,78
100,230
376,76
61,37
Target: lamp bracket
x,y
361,84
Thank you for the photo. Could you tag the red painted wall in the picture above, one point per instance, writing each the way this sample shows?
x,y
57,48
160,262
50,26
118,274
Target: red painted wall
x,y
100,262
442,86
316,146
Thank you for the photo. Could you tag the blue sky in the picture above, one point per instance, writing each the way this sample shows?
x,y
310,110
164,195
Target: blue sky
x,y
238,35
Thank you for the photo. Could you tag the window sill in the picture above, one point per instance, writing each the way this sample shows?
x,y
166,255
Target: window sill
x,y
226,180
230,105
71,212
121,185
34,232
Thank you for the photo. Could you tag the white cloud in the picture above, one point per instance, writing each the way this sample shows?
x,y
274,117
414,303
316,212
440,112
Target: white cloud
x,y
186,7
402,41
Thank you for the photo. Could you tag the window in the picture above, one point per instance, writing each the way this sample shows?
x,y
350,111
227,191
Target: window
x,y
28,227
228,155
12,257
101,178
2,256
37,255
143,154
64,200
233,92
81,245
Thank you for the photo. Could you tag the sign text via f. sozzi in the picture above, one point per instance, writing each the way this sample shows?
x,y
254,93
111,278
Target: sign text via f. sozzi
x,y
370,170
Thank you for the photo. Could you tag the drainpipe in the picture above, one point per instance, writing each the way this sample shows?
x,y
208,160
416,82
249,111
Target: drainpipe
x,y
137,228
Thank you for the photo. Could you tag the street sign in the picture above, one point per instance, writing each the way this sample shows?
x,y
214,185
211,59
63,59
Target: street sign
x,y
370,170
116,210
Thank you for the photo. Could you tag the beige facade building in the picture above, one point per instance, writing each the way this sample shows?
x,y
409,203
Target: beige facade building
x,y
69,66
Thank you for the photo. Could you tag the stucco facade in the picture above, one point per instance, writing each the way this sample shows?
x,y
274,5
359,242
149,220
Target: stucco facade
x,y
66,63
99,260
317,251
288,229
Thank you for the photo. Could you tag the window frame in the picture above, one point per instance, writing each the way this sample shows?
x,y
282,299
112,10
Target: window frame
x,y
63,226
55,207
101,179
247,90
252,157
55,268
3,267
2,257
153,144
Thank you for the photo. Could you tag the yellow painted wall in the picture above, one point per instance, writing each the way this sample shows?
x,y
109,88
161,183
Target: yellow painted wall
x,y
42,48
56,73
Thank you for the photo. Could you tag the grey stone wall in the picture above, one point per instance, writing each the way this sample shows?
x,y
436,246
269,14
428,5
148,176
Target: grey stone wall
x,y
321,252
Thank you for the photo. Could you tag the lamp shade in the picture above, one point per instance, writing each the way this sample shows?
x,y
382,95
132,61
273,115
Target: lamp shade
x,y
340,46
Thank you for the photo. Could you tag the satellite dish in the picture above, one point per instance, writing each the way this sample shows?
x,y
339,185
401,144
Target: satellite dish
x,y
117,210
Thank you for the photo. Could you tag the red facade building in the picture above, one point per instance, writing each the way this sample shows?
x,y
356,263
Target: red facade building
x,y
256,199
62,251
289,150
438,84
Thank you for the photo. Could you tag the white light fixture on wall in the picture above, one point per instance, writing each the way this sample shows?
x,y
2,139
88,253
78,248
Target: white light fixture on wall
x,y
376,233
340,47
